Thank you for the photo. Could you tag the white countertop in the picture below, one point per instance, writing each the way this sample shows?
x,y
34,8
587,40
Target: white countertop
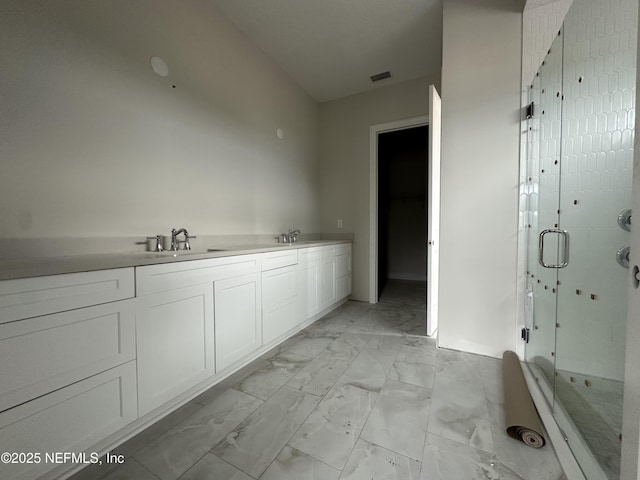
x,y
40,266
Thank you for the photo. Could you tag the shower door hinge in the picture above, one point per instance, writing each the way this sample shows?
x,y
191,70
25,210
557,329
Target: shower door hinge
x,y
530,110
524,334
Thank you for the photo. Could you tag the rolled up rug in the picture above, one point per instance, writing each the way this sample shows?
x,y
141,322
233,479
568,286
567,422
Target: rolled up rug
x,y
521,416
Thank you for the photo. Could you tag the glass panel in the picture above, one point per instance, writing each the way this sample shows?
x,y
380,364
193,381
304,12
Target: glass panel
x,y
599,77
543,187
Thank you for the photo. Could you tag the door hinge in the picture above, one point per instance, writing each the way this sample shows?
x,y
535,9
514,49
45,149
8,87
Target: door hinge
x,y
524,334
530,110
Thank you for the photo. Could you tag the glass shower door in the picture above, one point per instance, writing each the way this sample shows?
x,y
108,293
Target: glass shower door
x,y
543,196
599,77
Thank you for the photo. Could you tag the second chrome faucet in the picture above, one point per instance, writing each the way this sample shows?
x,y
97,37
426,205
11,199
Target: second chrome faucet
x,y
291,237
174,239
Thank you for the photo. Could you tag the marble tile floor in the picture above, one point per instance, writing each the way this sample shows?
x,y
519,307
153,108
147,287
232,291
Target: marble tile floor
x,y
405,292
354,396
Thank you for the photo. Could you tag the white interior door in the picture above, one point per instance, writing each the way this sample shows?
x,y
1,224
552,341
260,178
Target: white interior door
x,y
433,210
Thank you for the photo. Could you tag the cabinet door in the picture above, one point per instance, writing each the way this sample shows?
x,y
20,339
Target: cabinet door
x,y
238,320
343,274
327,282
308,279
279,293
175,343
343,265
343,287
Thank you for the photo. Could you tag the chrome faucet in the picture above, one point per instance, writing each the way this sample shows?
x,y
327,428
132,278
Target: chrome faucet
x,y
293,235
174,239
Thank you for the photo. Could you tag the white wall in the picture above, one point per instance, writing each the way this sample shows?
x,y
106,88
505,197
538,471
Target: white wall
x,y
344,127
95,144
481,77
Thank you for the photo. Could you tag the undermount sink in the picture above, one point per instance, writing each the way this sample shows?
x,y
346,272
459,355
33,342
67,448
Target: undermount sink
x,y
180,253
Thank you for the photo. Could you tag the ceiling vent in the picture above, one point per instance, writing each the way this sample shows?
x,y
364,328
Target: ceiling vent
x,y
380,76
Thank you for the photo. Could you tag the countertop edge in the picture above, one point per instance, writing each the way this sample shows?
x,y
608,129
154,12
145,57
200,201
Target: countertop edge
x,y
45,266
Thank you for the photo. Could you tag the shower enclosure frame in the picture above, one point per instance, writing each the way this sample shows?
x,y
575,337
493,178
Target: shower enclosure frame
x,y
558,436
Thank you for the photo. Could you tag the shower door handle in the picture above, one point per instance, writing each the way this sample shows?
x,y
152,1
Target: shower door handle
x,y
565,249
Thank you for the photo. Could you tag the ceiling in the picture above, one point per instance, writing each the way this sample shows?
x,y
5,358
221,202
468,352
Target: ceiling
x,y
332,47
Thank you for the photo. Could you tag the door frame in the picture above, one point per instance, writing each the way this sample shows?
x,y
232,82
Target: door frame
x,y
374,131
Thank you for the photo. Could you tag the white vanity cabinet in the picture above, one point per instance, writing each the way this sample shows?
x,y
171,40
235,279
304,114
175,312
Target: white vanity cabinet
x,y
193,319
67,363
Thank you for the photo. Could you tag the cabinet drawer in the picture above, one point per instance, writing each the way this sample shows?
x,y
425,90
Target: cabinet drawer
x,y
42,354
170,276
343,265
32,297
316,253
282,258
278,286
343,248
68,420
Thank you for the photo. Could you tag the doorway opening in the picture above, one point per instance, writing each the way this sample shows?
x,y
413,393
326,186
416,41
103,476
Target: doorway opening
x,y
432,160
402,216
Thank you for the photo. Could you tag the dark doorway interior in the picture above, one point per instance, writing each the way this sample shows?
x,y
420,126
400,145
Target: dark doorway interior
x,y
402,206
